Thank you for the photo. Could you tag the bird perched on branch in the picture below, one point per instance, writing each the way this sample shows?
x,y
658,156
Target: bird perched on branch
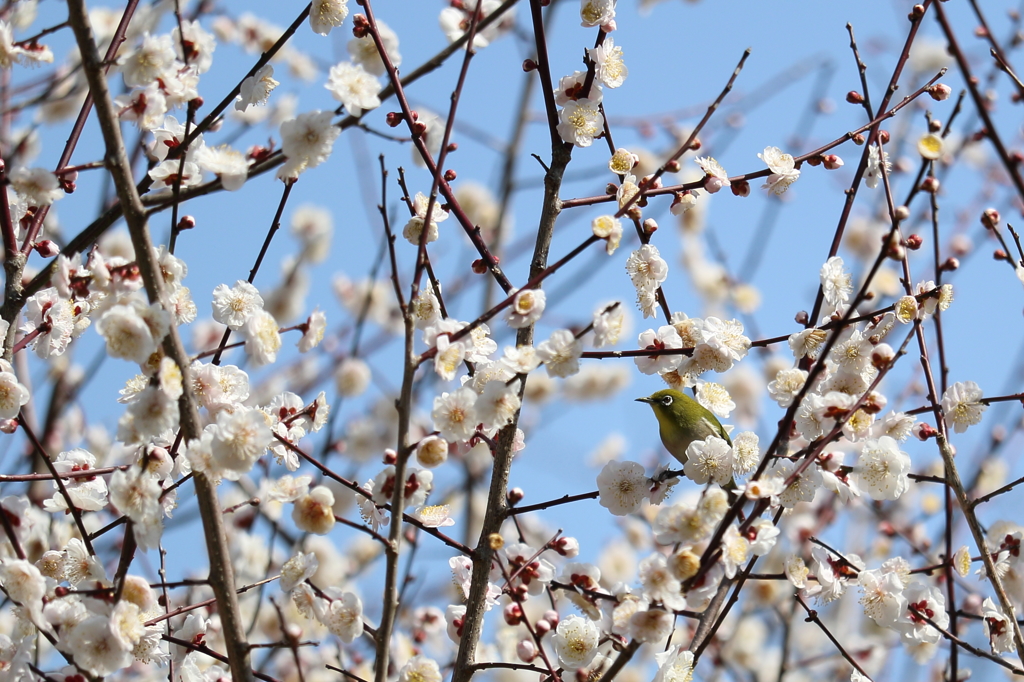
x,y
682,420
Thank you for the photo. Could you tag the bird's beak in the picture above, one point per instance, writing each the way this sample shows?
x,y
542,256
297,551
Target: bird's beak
x,y
647,400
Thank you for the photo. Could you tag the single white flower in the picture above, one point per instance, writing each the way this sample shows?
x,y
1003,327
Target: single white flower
x,y
961,407
665,338
874,170
882,470
716,177
580,121
622,487
782,166
306,141
609,67
527,307
575,642
354,87
454,414
262,338
561,353
646,268
255,90
327,14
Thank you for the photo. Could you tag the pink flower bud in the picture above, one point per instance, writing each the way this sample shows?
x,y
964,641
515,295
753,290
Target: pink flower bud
x,y
515,496
940,91
526,650
990,218
46,248
8,425
513,614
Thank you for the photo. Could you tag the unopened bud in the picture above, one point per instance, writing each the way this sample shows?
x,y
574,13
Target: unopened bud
x,y
543,627
832,161
551,616
882,355
934,125
801,317
940,91
515,496
930,184
360,26
999,254
480,266
8,425
815,161
990,218
394,118
672,166
916,12
883,136
854,97
452,147
529,65
611,189
195,103
914,242
449,175
419,128
390,456
567,547
526,650
924,431
513,614
695,145
740,188
187,222
894,249
46,248
901,213
858,139
951,264
650,182
650,226
981,32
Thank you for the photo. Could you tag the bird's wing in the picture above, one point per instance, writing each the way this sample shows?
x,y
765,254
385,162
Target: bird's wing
x,y
715,428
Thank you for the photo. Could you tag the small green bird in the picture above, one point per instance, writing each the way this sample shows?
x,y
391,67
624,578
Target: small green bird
x,y
683,420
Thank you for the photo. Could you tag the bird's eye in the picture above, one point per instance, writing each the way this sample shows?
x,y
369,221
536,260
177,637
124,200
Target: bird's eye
x,y
666,401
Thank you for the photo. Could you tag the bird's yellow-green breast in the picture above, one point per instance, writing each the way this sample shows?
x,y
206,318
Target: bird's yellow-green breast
x,y
683,420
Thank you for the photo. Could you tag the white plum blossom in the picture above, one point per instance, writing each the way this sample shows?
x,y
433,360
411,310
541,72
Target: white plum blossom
x,y
134,331
354,87
13,394
580,121
622,487
782,166
37,186
233,306
674,665
240,438
527,307
882,469
306,141
716,177
710,459
836,283
998,628
646,268
153,59
561,353
454,414
325,15
314,512
665,338
255,90
342,614
874,170
596,12
961,407
575,642
609,68
262,338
